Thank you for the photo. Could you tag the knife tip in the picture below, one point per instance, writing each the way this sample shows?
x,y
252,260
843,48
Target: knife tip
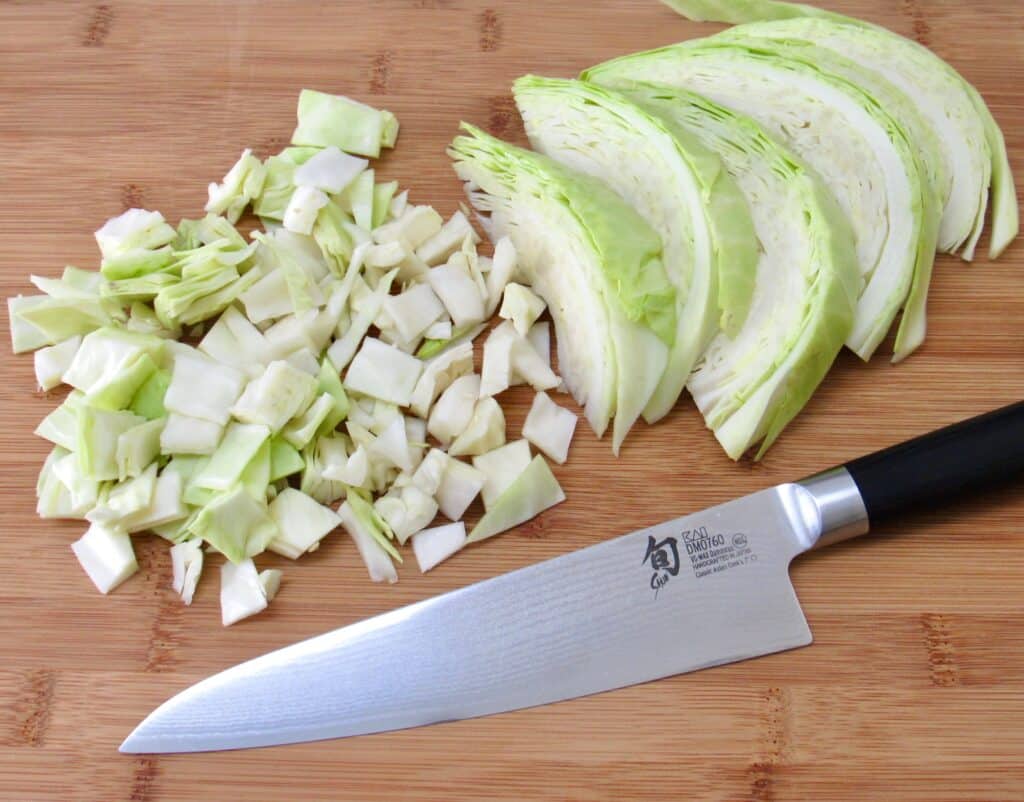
x,y
131,745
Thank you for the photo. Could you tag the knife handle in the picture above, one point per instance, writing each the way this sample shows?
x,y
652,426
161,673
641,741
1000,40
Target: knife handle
x,y
936,467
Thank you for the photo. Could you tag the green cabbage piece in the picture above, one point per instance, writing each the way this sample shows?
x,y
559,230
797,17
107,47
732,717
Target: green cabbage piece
x,y
812,100
595,262
112,364
316,457
354,127
277,189
382,195
238,446
149,398
25,336
332,236
951,104
84,492
125,499
533,491
677,185
373,524
53,497
750,386
133,243
97,433
138,447
329,382
53,320
255,477
243,182
61,425
285,459
236,524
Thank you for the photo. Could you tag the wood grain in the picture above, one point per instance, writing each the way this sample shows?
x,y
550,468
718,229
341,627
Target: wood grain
x,y
914,689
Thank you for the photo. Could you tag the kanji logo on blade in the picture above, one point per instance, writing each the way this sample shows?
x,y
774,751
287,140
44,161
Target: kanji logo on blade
x,y
663,556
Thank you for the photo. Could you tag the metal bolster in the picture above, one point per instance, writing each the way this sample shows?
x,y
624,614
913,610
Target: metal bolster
x,y
840,508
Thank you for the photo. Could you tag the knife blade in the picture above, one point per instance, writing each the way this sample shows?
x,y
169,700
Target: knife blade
x,y
694,592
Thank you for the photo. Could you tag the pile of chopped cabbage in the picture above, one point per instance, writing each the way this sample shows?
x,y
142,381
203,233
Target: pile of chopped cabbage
x,y
249,394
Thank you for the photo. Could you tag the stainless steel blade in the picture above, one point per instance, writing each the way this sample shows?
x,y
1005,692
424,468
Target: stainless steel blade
x,y
698,591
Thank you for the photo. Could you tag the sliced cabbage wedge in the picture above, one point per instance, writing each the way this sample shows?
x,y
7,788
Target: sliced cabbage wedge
x,y
857,143
595,262
677,185
750,386
972,143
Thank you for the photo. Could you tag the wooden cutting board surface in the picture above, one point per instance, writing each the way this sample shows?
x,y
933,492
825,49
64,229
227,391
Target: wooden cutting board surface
x,y
914,688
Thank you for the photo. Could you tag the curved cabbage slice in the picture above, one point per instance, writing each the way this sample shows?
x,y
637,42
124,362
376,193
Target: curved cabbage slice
x,y
595,262
860,149
677,185
749,387
972,142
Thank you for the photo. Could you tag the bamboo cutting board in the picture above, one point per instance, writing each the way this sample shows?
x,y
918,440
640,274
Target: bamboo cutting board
x,y
914,689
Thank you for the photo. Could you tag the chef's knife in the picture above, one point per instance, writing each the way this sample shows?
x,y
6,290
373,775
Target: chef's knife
x,y
716,582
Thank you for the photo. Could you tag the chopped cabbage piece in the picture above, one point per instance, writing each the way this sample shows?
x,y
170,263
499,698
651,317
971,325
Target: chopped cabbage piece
x,y
454,409
186,566
270,581
302,209
326,120
433,546
549,427
135,229
500,468
459,293
460,484
276,396
52,363
329,170
413,227
440,330
241,592
407,510
534,490
183,434
148,400
414,310
522,306
235,524
82,492
237,448
392,446
429,473
107,556
438,374
447,241
382,196
383,371
285,459
485,432
137,447
61,425
301,522
125,499
166,506
97,432
243,183
202,388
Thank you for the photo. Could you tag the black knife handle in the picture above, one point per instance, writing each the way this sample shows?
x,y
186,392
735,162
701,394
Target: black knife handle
x,y
931,469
